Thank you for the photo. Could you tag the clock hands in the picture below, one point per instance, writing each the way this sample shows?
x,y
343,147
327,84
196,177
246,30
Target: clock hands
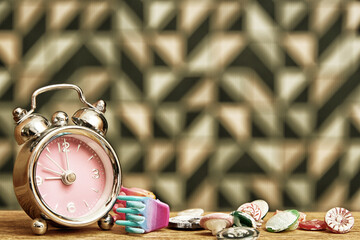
x,y
53,178
48,169
67,161
55,163
66,149
67,176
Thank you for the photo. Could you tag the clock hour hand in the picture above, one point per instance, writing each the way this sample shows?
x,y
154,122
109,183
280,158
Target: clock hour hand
x,y
53,178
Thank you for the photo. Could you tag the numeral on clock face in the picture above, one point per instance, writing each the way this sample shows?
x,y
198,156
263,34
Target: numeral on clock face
x,y
71,207
95,174
65,146
39,180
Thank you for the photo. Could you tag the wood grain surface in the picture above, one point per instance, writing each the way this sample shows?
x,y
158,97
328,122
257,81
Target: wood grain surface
x,y
16,225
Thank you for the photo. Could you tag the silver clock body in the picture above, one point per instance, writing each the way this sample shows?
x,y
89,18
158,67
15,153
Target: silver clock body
x,y
34,132
25,182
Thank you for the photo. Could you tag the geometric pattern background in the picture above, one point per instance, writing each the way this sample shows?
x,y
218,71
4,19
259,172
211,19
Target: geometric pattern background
x,y
210,103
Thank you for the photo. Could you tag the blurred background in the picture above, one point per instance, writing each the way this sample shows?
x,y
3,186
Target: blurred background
x,y
209,103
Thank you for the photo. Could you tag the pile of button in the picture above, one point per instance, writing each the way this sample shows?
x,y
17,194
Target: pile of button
x,y
244,222
337,220
239,224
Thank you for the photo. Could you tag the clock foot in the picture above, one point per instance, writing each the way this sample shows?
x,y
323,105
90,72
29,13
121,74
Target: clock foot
x,y
39,226
106,222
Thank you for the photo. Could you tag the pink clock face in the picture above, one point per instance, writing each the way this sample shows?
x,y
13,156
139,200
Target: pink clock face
x,y
73,176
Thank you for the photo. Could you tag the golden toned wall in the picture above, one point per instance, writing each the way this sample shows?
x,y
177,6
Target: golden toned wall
x,y
210,103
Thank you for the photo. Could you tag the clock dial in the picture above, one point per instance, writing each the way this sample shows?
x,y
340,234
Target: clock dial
x,y
71,176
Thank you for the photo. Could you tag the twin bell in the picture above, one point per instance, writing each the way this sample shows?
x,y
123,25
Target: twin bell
x,y
30,125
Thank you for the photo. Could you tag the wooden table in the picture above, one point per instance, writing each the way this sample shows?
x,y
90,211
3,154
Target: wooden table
x,y
15,225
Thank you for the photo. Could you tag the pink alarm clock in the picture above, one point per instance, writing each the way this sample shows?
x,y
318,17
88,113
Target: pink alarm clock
x,y
65,175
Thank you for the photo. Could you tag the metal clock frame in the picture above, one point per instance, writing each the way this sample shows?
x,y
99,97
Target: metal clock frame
x,y
34,132
25,183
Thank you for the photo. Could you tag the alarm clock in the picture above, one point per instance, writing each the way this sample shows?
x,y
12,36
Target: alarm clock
x,y
67,175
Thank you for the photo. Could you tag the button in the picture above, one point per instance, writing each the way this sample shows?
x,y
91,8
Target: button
x,y
243,219
339,220
238,233
185,222
312,225
283,220
263,205
191,212
251,209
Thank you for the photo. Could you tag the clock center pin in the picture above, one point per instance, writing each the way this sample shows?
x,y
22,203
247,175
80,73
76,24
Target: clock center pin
x,y
68,178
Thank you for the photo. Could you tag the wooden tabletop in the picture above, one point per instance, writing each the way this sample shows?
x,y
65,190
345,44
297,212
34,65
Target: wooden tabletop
x,y
16,225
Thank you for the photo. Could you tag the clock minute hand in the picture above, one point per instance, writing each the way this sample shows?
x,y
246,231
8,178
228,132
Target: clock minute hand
x,y
66,149
67,160
55,163
50,170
